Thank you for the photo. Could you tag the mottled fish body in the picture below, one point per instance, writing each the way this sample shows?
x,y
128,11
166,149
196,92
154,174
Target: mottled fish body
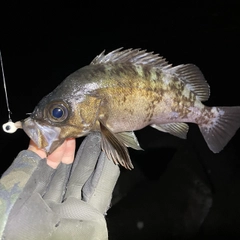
x,y
124,91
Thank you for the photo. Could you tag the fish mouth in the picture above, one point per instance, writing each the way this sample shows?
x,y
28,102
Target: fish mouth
x,y
44,136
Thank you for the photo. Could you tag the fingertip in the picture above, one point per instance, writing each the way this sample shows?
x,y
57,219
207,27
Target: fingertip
x,y
69,153
33,147
64,153
55,158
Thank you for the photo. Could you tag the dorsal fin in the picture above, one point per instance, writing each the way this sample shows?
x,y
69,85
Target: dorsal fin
x,y
193,79
187,73
134,56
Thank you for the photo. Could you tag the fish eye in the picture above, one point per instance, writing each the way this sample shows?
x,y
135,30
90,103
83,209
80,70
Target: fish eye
x,y
58,112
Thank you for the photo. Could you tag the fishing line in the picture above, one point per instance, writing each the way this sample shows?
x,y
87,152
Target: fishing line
x,y
5,88
9,127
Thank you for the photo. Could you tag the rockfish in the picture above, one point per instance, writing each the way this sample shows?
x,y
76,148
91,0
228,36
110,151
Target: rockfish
x,y
124,91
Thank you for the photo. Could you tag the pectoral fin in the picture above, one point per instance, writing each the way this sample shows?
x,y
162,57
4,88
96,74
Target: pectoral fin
x,y
114,148
177,129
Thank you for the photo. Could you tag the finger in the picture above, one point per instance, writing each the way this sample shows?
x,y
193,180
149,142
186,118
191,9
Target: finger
x,y
84,164
33,147
68,155
55,158
97,192
57,186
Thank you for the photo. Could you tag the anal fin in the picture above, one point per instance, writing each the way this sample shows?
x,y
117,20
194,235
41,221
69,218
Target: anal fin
x,y
177,129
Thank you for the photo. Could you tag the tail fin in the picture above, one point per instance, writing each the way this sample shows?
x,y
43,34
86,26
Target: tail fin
x,y
222,128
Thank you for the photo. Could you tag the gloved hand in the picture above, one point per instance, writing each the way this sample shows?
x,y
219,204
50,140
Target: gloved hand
x,y
69,202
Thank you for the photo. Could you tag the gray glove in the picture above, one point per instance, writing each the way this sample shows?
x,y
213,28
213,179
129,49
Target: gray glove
x,y
38,202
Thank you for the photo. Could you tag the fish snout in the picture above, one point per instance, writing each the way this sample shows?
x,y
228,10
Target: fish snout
x,y
44,136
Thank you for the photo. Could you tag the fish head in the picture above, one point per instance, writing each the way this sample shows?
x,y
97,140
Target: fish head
x,y
55,119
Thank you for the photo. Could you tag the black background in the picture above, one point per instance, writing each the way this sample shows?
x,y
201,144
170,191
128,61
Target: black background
x,y
43,42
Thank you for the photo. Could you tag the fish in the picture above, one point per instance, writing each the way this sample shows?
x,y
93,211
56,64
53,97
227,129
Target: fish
x,y
124,91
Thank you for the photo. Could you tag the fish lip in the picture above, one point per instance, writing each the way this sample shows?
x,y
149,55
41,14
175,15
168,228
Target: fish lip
x,y
44,136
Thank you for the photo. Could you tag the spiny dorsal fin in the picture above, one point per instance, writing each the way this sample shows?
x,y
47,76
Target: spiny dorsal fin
x,y
114,149
134,56
193,78
188,73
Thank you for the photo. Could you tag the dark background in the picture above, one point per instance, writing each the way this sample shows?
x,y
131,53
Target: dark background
x,y
179,189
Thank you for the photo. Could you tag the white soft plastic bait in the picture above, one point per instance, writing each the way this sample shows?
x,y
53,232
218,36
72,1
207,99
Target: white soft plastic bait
x,y
11,127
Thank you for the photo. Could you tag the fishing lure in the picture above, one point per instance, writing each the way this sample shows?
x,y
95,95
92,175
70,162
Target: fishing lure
x,y
10,126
